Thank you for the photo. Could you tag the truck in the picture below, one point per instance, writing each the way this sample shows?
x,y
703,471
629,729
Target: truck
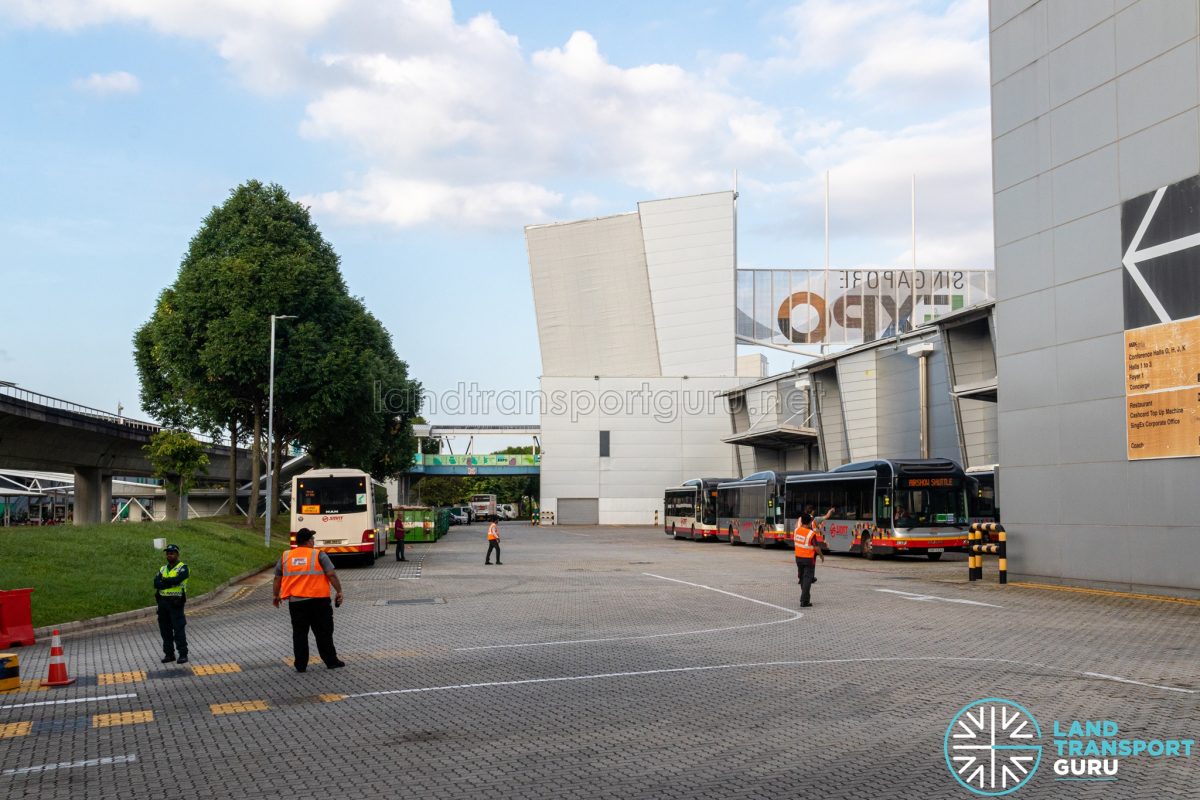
x,y
483,506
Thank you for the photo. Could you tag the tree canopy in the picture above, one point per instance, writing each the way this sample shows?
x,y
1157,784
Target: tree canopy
x,y
204,355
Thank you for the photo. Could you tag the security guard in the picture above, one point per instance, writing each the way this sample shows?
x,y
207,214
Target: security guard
x,y
807,549
493,543
170,586
303,577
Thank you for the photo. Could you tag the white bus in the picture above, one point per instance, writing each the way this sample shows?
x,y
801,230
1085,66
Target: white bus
x,y
346,508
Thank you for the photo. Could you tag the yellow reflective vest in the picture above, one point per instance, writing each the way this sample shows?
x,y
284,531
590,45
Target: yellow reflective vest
x,y
171,572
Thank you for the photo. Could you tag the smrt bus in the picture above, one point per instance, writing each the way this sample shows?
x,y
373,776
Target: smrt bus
x,y
750,510
886,507
690,510
347,510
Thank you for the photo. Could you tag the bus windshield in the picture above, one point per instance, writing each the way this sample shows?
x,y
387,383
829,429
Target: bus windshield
x,y
932,506
332,495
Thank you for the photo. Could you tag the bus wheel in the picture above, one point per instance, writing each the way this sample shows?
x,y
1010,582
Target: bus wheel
x,y
867,550
933,556
732,538
694,539
674,533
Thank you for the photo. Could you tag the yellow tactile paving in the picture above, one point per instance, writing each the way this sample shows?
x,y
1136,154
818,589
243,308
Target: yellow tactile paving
x,y
33,685
239,707
11,729
114,678
215,669
331,698
121,718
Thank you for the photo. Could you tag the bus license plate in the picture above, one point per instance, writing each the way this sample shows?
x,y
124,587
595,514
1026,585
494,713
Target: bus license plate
x,y
936,550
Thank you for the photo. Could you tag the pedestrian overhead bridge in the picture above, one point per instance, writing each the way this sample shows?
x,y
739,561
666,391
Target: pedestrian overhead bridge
x,y
468,463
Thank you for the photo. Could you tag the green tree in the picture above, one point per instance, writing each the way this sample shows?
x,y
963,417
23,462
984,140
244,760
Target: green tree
x,y
204,354
443,490
177,458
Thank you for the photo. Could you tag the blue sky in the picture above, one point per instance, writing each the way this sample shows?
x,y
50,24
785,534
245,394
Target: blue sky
x,y
425,135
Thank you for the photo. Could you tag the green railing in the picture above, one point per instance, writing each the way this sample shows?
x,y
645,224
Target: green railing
x,y
442,460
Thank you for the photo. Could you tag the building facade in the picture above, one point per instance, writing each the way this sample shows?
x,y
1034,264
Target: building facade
x,y
635,320
1096,153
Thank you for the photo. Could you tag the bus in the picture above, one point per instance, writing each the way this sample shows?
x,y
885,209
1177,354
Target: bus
x,y
750,510
885,507
982,504
347,509
690,510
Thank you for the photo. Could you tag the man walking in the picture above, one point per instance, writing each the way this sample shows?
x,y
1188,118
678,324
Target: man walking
x,y
493,535
303,577
804,539
170,585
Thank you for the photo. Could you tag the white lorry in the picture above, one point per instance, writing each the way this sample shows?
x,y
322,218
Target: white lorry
x,y
483,506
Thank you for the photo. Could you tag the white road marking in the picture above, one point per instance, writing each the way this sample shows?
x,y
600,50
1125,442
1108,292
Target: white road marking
x,y
929,597
91,762
1139,683
794,615
69,702
747,665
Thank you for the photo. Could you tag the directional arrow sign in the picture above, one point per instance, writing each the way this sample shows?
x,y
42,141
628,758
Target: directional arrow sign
x,y
1133,256
1160,233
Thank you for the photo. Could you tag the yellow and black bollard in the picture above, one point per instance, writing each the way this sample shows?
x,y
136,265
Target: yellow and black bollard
x,y
10,672
976,550
1003,556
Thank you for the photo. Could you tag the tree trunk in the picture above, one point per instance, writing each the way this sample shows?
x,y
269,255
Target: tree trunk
x,y
255,465
233,448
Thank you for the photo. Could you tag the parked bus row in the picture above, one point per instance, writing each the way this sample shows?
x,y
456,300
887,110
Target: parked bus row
x,y
880,507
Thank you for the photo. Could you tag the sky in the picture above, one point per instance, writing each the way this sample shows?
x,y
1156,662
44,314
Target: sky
x,y
425,135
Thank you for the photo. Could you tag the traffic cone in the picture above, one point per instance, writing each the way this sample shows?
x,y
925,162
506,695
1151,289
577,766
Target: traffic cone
x,y
58,665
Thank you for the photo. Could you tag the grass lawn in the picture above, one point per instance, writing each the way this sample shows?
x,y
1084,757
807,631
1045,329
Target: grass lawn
x,y
93,570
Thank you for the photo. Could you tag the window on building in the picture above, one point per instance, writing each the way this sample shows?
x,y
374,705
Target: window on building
x,y
604,444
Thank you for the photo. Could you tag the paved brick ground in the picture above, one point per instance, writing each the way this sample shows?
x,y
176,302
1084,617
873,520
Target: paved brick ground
x,y
595,664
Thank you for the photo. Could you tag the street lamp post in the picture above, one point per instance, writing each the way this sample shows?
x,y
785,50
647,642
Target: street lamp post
x,y
271,429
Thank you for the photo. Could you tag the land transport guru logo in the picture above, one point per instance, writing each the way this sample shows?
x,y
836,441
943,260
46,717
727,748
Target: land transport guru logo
x,y
992,747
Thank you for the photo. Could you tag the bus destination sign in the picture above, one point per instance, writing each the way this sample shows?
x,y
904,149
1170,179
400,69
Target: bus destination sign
x,y
928,483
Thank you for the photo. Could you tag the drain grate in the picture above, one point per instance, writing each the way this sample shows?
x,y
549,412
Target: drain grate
x,y
416,601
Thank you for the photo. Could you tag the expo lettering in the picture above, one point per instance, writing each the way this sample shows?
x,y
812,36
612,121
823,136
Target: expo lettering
x,y
863,312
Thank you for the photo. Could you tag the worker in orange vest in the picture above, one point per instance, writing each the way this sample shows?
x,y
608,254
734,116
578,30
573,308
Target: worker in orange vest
x,y
493,535
303,577
804,539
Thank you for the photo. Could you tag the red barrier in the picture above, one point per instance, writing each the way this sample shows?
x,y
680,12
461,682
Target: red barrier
x,y
16,619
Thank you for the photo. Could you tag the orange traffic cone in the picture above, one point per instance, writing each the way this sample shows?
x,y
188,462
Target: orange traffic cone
x,y
58,665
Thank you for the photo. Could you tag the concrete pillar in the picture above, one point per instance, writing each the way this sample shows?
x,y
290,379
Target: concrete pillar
x,y
87,495
176,506
106,498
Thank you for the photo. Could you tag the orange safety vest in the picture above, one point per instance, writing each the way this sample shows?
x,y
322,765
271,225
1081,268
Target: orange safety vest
x,y
804,539
302,574
493,532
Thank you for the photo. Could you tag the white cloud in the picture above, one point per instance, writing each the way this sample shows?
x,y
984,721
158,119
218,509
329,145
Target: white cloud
x,y
456,124
383,198
900,51
109,83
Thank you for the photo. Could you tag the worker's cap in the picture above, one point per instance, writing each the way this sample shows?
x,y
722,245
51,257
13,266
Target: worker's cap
x,y
304,535
171,548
